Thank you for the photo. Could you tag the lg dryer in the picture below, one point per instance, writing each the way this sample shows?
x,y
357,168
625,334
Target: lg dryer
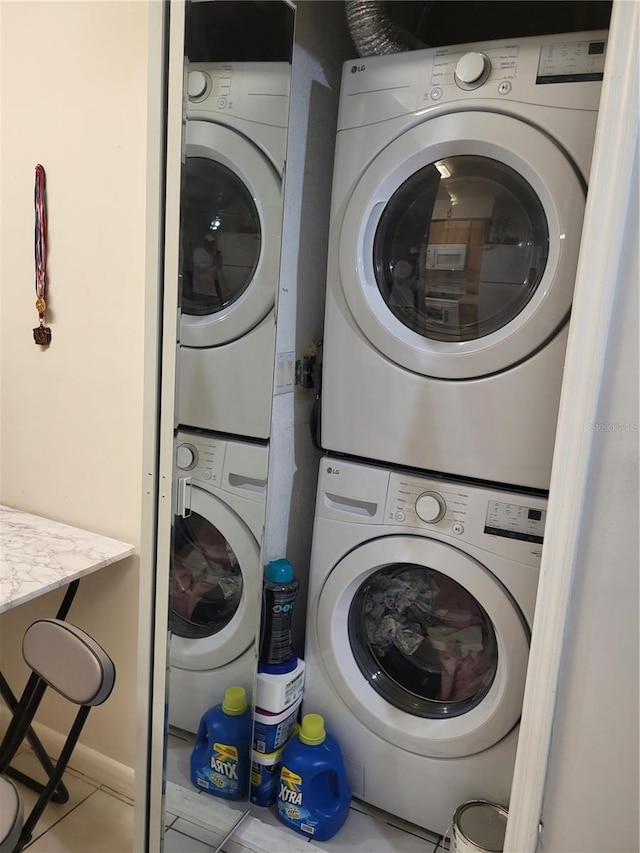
x,y
216,571
421,601
458,199
231,221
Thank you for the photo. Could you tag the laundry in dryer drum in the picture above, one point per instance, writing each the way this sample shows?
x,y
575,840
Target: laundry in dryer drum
x,y
430,632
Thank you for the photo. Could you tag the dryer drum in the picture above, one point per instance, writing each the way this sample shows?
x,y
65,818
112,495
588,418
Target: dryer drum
x,y
422,641
206,580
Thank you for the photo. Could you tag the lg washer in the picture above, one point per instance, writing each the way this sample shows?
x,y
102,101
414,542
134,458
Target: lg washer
x,y
421,602
216,572
458,198
231,222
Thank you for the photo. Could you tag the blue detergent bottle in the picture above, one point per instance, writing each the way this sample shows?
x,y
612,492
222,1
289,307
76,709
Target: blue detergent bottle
x,y
221,756
313,796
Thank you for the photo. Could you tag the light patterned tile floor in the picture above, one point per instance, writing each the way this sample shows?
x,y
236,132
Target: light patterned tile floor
x,y
96,820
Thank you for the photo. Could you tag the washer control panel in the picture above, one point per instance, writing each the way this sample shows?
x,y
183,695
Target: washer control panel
x,y
500,522
201,459
415,502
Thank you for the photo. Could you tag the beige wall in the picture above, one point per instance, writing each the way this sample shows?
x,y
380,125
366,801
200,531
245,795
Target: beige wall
x,y
74,98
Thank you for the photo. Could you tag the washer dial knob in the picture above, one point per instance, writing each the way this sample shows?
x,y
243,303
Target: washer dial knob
x,y
186,457
197,84
472,70
430,507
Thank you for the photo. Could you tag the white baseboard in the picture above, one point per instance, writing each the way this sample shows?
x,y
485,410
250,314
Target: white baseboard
x,y
98,768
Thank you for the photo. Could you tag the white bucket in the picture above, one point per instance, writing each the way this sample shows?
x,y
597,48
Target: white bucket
x,y
479,827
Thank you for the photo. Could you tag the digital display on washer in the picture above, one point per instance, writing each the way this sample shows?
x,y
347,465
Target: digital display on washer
x,y
515,522
571,62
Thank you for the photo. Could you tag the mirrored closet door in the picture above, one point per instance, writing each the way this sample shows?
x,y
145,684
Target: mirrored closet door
x,y
236,86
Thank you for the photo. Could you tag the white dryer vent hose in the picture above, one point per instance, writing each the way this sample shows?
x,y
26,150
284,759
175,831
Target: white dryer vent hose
x,y
373,32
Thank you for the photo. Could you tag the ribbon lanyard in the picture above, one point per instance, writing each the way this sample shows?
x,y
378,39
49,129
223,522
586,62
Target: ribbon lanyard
x,y
41,334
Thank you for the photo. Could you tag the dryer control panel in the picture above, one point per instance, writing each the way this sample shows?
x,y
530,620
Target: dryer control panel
x,y
377,88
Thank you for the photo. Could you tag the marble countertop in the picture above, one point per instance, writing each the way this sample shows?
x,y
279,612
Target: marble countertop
x,y
38,555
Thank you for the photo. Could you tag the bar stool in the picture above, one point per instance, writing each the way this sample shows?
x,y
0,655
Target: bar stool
x,y
69,661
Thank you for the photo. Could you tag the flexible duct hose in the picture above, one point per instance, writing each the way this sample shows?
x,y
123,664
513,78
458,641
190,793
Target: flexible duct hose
x,y
373,32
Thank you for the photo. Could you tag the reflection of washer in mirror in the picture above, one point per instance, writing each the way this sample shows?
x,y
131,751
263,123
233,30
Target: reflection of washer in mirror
x,y
206,580
216,572
231,224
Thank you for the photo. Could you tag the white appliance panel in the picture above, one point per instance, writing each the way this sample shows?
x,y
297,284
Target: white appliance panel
x,y
475,393
225,500
372,519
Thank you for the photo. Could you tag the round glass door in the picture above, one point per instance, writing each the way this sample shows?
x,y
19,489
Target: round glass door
x,y
459,245
461,248
422,641
221,237
214,585
424,645
231,225
206,579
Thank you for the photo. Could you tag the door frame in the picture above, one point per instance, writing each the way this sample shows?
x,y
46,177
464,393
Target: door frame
x,y
593,324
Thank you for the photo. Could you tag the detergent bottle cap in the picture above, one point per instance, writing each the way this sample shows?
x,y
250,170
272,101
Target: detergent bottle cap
x,y
279,571
235,701
312,729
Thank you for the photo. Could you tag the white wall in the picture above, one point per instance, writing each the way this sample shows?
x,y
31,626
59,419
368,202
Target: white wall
x,y
74,98
591,796
575,785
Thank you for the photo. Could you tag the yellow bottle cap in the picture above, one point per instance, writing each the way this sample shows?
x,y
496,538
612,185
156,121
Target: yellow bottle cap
x,y
235,701
312,730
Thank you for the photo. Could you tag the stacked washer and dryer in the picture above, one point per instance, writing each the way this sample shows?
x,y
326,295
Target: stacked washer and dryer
x,y
231,218
458,198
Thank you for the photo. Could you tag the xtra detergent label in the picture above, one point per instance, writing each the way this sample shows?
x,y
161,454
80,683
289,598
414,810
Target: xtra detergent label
x,y
222,772
290,802
224,762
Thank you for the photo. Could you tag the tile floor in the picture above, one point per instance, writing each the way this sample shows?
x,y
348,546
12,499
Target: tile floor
x,y
367,829
94,820
99,820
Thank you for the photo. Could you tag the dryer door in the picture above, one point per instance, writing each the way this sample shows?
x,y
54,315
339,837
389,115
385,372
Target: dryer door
x,y
215,576
231,225
424,645
459,245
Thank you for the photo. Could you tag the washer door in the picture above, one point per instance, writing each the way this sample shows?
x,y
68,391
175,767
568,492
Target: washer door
x,y
424,645
231,226
215,569
474,210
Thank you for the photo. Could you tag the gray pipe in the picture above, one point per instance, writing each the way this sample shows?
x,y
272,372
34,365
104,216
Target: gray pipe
x,y
373,32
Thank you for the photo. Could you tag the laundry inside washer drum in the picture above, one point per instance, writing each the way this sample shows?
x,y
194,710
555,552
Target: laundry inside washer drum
x,y
206,580
422,641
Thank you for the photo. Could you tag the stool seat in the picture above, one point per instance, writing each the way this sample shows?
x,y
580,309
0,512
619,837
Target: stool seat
x,y
68,660
10,815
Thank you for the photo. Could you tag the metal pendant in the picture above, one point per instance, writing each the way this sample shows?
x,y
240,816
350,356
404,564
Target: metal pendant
x,y
42,335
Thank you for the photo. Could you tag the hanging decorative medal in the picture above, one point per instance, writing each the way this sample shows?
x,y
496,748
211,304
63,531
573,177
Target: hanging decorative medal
x,y
42,333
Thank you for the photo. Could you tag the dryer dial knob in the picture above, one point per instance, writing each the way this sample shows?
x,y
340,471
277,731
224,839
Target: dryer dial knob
x,y
197,84
430,507
186,457
472,70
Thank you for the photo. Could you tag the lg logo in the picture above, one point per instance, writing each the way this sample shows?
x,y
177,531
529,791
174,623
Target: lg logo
x,y
335,471
356,68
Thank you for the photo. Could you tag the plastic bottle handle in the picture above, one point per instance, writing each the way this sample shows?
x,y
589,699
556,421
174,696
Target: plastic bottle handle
x,y
341,793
